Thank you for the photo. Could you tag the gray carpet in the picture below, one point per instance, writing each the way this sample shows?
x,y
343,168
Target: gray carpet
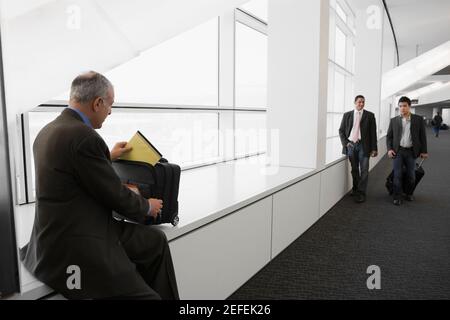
x,y
410,244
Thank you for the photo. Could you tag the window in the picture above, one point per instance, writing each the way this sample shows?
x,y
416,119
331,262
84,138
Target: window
x,y
36,121
180,71
339,92
340,47
171,94
251,67
184,137
340,73
340,12
250,133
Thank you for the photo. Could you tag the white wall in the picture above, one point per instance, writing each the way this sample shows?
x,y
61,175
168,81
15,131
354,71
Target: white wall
x,y
446,116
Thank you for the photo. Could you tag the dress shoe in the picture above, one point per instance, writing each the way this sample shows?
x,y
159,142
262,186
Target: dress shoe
x,y
360,198
397,202
409,197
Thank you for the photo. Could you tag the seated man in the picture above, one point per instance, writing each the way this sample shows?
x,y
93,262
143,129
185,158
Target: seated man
x,y
76,246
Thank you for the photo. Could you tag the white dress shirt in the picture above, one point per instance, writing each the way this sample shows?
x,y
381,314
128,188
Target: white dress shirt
x,y
406,140
355,116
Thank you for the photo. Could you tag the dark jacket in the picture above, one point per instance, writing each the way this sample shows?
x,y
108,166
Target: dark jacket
x,y
437,121
76,191
418,134
368,129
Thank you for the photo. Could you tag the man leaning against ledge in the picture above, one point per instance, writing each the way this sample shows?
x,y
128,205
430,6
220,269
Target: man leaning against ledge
x,y
358,134
406,140
76,192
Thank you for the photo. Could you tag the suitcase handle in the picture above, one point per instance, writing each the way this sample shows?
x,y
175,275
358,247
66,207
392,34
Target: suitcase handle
x,y
421,162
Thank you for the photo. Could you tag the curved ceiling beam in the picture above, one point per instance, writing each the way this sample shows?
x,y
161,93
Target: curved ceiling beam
x,y
393,31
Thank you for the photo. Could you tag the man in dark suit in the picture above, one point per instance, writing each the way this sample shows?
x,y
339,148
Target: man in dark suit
x,y
358,133
76,246
406,141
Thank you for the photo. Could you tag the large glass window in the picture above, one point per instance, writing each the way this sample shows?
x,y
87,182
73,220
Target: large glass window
x,y
340,47
171,94
340,74
183,137
250,133
339,92
180,71
341,13
251,67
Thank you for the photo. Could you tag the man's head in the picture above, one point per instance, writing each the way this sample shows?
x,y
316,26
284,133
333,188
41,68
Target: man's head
x,y
404,104
359,102
92,94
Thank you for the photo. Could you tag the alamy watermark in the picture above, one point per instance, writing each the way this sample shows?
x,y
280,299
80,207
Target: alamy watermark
x,y
374,280
74,279
73,21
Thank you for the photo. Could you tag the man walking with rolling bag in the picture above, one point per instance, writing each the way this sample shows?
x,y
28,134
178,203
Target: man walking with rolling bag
x,y
406,141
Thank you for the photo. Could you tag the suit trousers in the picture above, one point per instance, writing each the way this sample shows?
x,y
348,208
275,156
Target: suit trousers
x,y
148,249
404,158
360,167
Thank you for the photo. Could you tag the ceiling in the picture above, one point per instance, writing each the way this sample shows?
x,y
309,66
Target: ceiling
x,y
420,25
443,72
420,22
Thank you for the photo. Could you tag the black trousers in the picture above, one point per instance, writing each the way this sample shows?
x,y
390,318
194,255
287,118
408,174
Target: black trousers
x,y
148,249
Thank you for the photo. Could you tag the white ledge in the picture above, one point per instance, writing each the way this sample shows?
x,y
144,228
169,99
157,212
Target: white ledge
x,y
205,195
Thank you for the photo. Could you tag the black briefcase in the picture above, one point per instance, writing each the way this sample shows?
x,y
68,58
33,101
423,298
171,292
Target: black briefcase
x,y
160,181
419,175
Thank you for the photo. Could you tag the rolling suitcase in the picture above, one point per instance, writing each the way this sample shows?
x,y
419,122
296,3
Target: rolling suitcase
x,y
160,181
419,175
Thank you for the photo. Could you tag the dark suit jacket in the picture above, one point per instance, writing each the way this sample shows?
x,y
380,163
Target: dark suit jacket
x,y
418,134
76,191
368,128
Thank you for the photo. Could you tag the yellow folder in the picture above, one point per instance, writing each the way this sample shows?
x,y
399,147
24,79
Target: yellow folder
x,y
142,150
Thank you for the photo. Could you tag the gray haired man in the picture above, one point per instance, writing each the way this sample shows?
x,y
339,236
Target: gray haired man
x,y
76,192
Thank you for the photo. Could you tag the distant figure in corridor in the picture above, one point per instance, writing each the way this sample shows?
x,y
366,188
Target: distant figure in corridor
x,y
358,133
436,123
74,234
406,141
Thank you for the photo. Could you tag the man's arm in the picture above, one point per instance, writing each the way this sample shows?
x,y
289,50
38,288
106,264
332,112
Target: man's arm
x,y
423,137
98,178
373,135
390,136
344,139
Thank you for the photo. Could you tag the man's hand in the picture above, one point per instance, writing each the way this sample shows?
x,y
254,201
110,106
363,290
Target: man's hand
x,y
119,149
156,206
391,154
374,154
424,155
